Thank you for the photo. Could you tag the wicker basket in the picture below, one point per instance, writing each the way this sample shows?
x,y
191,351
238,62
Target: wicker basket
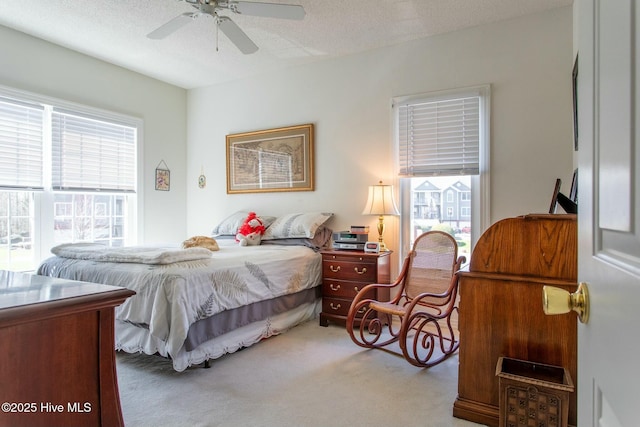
x,y
533,394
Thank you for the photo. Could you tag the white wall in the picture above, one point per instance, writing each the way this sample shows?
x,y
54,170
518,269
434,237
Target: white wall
x,y
527,61
33,65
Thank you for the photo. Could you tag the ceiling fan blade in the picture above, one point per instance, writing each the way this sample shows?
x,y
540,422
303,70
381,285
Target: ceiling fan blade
x,y
236,35
269,10
173,25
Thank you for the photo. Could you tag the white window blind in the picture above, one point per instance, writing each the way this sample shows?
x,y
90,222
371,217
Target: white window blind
x,y
91,154
20,145
439,136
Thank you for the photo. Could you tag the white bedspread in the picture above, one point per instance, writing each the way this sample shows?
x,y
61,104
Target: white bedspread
x,y
171,297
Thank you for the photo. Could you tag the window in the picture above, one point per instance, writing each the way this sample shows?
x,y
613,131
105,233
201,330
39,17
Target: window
x,y
68,173
443,147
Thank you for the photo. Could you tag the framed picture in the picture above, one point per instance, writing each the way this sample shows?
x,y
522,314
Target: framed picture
x,y
574,79
163,177
271,160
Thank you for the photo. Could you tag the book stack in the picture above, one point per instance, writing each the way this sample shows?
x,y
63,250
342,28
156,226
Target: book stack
x,y
360,229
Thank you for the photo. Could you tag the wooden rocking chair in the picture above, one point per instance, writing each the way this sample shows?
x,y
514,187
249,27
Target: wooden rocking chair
x,y
425,299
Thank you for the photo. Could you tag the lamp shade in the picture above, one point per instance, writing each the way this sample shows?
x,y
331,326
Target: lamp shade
x,y
380,201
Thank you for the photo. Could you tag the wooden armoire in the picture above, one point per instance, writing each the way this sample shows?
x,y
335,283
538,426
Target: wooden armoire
x,y
501,308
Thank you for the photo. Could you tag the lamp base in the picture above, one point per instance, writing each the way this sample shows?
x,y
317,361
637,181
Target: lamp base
x,y
383,246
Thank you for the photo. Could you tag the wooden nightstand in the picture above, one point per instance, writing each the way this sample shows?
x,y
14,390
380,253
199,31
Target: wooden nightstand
x,y
344,273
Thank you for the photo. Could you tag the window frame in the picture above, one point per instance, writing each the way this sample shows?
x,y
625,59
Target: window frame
x,y
480,184
43,199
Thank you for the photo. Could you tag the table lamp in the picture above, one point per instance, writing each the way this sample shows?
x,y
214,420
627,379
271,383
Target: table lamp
x,y
381,203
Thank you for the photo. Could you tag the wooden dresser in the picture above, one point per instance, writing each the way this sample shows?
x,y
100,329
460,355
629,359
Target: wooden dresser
x,y
501,308
344,273
58,358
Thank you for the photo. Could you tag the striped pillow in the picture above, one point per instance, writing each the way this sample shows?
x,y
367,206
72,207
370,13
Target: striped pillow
x,y
296,225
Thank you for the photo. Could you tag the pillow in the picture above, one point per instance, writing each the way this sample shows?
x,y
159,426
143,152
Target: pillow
x,y
229,226
296,225
320,240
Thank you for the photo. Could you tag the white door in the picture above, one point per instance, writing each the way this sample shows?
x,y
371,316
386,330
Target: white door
x,y
609,212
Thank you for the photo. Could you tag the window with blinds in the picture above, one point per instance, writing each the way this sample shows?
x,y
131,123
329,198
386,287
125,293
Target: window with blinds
x,y
68,173
442,153
92,155
439,136
21,145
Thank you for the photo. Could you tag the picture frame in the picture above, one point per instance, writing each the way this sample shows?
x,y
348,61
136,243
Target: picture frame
x,y
554,197
272,160
574,81
163,177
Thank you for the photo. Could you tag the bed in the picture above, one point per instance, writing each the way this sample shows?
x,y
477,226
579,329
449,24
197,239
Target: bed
x,y
194,305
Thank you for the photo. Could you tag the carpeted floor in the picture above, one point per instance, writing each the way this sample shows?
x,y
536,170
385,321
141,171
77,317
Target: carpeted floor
x,y
308,376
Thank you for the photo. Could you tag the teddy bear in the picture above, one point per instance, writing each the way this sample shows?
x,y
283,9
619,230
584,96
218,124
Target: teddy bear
x,y
251,231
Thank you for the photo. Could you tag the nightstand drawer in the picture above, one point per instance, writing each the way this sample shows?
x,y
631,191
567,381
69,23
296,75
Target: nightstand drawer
x,y
342,288
349,256
338,307
363,272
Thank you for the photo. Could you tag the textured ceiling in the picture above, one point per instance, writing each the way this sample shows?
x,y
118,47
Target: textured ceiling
x,y
115,31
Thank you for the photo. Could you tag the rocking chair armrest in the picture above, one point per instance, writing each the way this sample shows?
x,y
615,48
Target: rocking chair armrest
x,y
434,311
450,294
362,300
399,283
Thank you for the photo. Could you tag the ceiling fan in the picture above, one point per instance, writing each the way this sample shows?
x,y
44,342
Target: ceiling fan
x,y
210,8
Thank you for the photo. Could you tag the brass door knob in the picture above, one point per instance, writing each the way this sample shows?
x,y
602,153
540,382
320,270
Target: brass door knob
x,y
559,301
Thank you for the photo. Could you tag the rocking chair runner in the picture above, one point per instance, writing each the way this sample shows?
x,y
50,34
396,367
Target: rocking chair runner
x,y
425,299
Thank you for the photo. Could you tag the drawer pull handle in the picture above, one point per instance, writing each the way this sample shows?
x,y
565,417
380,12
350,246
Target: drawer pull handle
x,y
334,269
334,307
355,288
362,310
334,287
364,270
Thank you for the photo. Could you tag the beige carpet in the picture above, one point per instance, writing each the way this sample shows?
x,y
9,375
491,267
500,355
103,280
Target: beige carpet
x,y
308,376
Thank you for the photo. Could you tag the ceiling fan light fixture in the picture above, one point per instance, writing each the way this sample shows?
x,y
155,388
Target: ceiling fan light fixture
x,y
225,24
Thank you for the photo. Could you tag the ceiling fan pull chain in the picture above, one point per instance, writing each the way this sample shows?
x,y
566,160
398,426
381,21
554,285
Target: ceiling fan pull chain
x,y
217,31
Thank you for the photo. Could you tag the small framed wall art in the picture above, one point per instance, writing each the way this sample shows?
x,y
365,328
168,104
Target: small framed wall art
x,y
202,179
163,176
